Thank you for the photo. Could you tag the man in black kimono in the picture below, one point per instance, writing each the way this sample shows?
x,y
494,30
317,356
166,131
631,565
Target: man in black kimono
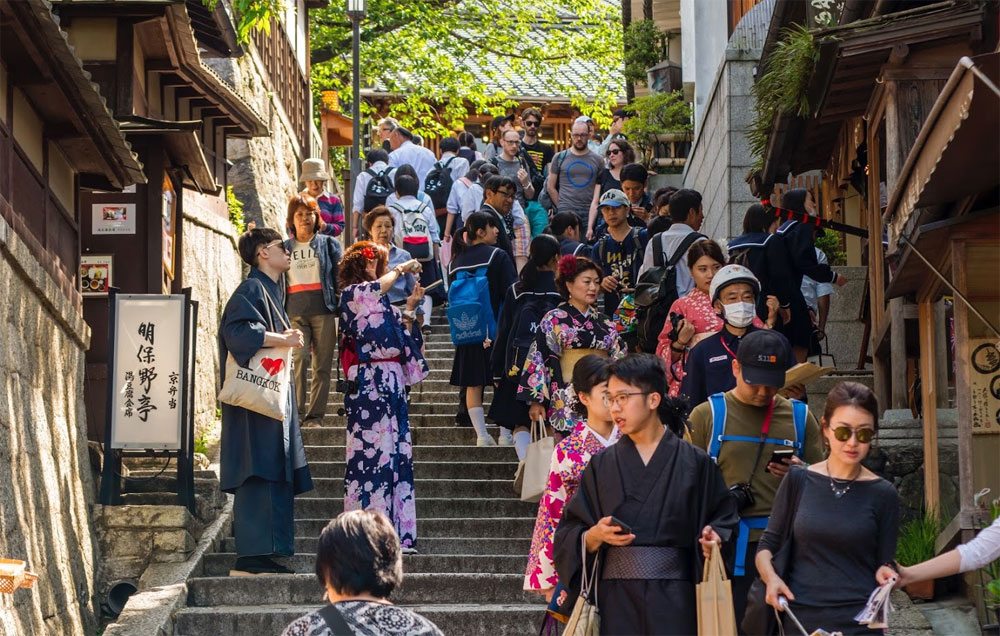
x,y
670,494
262,460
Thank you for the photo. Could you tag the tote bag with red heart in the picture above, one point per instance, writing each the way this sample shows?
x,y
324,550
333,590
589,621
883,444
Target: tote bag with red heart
x,y
261,386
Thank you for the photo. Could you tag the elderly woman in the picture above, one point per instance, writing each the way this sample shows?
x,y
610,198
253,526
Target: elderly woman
x,y
381,356
359,563
380,226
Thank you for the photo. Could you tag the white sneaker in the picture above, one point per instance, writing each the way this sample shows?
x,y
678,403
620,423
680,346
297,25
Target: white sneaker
x,y
485,441
505,439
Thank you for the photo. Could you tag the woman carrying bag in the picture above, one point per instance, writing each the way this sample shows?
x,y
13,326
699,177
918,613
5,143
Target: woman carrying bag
x,y
833,528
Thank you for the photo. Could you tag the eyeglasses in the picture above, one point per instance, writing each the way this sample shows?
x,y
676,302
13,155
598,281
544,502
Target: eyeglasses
x,y
511,141
506,193
532,124
621,399
580,135
614,151
844,433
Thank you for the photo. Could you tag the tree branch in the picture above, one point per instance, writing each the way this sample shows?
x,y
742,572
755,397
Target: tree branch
x,y
480,45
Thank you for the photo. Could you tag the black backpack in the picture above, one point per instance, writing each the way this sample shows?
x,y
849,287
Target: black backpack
x,y
525,324
378,190
656,291
437,184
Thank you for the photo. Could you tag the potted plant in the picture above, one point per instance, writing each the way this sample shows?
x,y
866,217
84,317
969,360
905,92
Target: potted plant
x,y
915,545
658,118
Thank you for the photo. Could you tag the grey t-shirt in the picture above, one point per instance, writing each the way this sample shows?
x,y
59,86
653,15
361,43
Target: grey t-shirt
x,y
577,176
509,169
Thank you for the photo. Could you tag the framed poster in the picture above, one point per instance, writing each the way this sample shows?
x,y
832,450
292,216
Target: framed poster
x,y
113,218
984,384
148,374
169,215
96,274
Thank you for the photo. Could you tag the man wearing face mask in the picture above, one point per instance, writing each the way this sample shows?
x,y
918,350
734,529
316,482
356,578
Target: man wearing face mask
x,y
733,292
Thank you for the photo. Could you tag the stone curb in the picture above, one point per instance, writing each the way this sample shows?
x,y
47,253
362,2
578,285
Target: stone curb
x,y
163,586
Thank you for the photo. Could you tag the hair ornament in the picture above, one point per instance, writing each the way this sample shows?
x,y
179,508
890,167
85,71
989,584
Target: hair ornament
x,y
368,252
567,265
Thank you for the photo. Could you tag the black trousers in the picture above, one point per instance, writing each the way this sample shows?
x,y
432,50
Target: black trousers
x,y
741,586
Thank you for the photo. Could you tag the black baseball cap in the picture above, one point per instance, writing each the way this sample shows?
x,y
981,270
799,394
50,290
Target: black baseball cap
x,y
499,120
764,355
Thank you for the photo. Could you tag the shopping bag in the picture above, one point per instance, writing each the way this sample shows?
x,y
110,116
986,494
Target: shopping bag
x,y
585,619
261,387
716,616
537,460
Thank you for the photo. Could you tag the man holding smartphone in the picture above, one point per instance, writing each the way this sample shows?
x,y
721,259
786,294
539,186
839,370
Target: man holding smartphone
x,y
762,435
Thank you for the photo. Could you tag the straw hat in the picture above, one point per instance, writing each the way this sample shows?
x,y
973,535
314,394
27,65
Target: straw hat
x,y
313,170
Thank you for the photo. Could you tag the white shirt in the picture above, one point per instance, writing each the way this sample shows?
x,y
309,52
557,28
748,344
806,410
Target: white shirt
x,y
813,291
358,200
458,166
419,157
982,550
457,196
669,242
409,203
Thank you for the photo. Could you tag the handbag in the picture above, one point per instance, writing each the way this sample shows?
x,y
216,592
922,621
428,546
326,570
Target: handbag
x,y
585,619
716,616
262,386
760,619
533,470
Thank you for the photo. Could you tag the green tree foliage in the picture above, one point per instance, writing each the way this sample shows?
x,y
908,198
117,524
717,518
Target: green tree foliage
x,y
434,54
645,46
656,114
251,15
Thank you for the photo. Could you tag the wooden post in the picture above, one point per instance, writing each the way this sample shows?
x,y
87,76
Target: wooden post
x,y
941,354
963,391
928,383
897,352
876,284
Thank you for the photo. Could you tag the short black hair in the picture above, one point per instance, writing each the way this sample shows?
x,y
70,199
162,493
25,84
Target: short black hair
x,y
404,132
588,372
757,219
494,183
562,221
634,172
682,202
450,144
359,553
252,240
473,173
374,155
487,168
406,186
649,373
621,112
657,224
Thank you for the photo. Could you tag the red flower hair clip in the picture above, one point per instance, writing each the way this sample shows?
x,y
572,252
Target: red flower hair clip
x,y
765,201
567,265
368,252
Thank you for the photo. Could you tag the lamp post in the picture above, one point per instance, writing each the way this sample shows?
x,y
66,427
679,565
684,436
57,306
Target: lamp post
x,y
355,13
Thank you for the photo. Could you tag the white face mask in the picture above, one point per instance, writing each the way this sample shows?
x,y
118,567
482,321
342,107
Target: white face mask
x,y
739,315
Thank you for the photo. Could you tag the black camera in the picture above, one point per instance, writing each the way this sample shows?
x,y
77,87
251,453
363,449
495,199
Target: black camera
x,y
675,323
347,387
743,496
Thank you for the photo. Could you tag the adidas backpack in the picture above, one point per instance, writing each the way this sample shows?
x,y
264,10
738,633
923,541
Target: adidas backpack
x,y
437,184
470,312
656,291
378,190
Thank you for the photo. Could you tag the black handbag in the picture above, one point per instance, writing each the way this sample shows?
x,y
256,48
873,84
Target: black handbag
x,y
760,619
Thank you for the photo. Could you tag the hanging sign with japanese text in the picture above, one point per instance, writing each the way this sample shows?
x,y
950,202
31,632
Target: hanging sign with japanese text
x,y
984,383
148,371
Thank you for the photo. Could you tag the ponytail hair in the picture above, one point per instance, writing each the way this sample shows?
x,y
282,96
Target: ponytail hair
x,y
543,249
649,373
476,221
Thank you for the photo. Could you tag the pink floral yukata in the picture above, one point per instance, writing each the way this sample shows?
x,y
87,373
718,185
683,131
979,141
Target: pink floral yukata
x,y
379,471
568,461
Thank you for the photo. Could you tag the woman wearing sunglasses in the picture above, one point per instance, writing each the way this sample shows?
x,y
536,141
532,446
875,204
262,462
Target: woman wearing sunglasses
x,y
618,155
840,518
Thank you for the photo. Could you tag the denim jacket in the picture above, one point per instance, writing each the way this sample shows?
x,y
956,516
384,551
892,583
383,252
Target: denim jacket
x,y
329,253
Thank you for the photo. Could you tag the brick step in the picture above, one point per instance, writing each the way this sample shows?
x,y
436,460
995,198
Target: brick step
x,y
513,619
304,589
510,527
425,469
219,564
451,488
431,545
426,453
479,509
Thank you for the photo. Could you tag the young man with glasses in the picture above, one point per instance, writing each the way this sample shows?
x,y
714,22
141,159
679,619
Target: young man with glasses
x,y
499,193
539,153
573,174
742,429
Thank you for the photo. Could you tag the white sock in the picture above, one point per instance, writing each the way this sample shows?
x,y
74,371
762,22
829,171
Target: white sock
x,y
521,441
478,418
428,305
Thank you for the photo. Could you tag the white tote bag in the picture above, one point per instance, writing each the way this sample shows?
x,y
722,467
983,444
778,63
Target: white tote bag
x,y
262,386
537,461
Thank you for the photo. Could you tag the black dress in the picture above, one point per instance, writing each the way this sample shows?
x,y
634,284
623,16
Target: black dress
x,y
472,361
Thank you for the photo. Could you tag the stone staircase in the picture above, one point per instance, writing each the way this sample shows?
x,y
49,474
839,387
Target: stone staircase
x,y
473,532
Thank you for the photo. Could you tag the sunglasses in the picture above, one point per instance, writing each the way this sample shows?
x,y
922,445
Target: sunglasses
x,y
844,433
614,151
531,124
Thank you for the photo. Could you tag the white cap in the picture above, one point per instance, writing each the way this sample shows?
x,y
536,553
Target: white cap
x,y
732,274
582,119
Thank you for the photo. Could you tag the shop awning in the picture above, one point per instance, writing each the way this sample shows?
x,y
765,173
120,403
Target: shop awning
x,y
183,147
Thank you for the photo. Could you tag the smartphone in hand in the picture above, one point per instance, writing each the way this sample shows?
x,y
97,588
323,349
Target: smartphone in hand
x,y
625,528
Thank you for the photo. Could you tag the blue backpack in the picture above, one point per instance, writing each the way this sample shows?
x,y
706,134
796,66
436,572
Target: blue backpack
x,y
470,312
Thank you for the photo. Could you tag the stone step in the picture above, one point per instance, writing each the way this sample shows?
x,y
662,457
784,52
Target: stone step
x,y
512,619
428,402
304,589
431,545
442,507
333,418
426,453
510,527
451,488
420,435
219,564
427,470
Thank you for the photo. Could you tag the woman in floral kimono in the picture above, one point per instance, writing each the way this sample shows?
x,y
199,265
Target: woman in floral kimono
x,y
590,379
567,333
381,352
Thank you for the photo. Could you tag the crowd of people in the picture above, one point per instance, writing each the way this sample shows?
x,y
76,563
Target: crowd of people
x,y
656,357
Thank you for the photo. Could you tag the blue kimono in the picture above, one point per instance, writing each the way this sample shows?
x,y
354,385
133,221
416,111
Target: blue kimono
x,y
262,460
379,453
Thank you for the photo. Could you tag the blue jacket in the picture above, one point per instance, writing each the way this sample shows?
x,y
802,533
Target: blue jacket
x,y
329,253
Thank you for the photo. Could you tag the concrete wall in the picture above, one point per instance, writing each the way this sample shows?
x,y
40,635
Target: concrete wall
x,y
46,485
704,33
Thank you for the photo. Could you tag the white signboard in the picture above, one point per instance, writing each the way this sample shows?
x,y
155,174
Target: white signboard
x,y
148,380
113,218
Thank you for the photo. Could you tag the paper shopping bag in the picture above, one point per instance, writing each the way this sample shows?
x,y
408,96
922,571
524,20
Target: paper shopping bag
x,y
716,616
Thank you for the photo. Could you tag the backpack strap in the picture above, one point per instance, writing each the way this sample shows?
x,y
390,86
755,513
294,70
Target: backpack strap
x,y
657,254
717,401
800,412
682,249
634,233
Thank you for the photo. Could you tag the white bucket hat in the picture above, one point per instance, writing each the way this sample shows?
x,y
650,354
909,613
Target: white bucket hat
x,y
313,170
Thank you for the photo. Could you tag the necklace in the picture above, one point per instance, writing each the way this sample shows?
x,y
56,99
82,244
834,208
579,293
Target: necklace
x,y
840,492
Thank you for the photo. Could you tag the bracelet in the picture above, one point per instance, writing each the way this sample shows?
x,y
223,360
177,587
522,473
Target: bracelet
x,y
409,313
676,350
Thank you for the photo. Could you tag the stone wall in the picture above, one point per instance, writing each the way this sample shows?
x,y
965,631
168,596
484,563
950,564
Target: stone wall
x,y
46,485
213,269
